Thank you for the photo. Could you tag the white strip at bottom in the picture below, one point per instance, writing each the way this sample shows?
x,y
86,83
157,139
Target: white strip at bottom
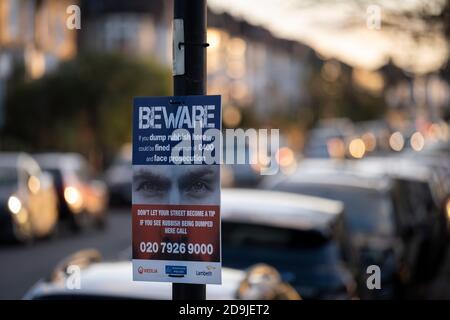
x,y
177,271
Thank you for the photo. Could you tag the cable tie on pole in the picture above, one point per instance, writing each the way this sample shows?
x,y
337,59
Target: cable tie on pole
x,y
194,44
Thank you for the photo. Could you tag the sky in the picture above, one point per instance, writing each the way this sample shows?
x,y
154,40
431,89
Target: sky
x,y
321,24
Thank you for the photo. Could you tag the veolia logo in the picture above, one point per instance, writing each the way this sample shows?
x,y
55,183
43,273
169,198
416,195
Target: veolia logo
x,y
142,270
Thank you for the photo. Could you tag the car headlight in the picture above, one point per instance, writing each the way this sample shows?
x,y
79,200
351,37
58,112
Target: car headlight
x,y
14,204
73,197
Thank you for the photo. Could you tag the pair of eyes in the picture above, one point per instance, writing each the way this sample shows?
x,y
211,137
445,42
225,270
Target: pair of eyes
x,y
195,188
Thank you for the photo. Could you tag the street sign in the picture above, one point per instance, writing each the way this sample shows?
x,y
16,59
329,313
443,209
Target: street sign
x,y
176,189
178,49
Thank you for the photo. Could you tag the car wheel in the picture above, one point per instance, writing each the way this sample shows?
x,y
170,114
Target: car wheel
x,y
79,222
55,232
24,234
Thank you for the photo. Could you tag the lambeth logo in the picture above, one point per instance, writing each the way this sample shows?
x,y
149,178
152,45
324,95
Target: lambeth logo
x,y
204,273
141,270
207,273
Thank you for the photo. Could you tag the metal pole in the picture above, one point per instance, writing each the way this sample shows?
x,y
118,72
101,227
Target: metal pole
x,y
192,82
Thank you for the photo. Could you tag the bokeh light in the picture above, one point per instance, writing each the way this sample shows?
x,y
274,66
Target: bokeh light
x,y
34,184
396,141
417,141
370,141
357,149
231,116
336,148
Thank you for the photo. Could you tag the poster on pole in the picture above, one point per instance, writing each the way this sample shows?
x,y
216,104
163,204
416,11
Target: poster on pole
x,y
176,189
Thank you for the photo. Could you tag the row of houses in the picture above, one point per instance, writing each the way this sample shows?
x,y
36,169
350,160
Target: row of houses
x,y
33,34
247,65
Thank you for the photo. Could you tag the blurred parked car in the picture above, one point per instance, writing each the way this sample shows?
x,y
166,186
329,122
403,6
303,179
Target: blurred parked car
x,y
28,201
82,200
436,156
423,196
301,236
371,217
113,280
419,198
118,177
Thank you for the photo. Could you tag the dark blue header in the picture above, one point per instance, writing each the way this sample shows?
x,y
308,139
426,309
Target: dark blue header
x,y
156,121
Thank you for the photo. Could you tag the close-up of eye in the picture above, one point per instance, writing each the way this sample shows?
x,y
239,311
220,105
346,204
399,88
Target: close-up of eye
x,y
150,187
147,186
197,189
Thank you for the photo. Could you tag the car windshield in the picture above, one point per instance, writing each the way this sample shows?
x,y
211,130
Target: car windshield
x,y
367,211
307,260
8,176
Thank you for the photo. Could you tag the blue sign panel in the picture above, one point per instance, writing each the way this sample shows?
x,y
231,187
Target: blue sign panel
x,y
176,270
174,130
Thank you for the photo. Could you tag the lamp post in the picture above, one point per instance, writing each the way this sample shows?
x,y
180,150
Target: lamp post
x,y
189,78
